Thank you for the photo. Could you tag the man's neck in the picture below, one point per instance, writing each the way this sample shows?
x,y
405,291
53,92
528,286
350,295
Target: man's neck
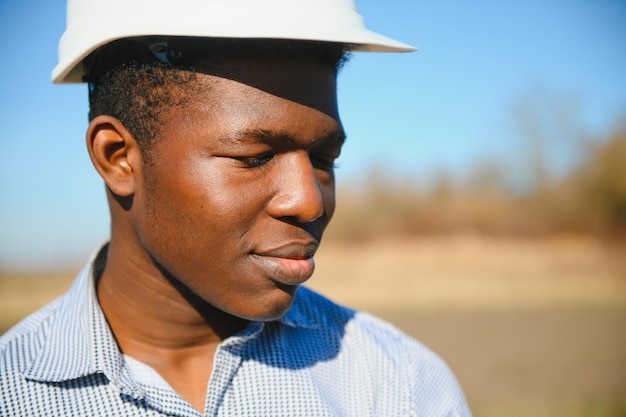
x,y
163,326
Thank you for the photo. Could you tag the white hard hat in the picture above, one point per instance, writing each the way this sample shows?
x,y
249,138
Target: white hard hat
x,y
94,23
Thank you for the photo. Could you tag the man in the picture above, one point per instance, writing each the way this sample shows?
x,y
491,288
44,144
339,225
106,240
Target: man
x,y
215,129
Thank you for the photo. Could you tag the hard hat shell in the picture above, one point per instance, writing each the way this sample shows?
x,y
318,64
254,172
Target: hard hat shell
x,y
94,23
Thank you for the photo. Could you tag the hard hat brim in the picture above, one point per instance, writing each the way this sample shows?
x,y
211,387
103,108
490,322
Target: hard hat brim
x,y
83,36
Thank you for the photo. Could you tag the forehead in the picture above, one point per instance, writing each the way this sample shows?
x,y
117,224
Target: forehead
x,y
281,96
294,101
302,82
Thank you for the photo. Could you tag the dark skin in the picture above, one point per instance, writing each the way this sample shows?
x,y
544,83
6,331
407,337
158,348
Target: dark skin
x,y
221,225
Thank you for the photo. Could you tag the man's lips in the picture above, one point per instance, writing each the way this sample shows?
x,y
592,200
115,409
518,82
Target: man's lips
x,y
289,264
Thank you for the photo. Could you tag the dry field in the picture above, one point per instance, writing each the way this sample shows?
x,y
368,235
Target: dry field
x,y
533,328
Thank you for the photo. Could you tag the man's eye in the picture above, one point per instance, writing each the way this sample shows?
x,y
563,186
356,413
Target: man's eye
x,y
323,164
257,161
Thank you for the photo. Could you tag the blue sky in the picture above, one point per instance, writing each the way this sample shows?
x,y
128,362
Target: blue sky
x,y
444,108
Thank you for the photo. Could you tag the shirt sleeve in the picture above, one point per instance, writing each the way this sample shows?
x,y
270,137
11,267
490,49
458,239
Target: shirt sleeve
x,y
436,391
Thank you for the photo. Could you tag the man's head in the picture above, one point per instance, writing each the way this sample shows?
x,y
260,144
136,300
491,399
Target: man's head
x,y
230,192
214,125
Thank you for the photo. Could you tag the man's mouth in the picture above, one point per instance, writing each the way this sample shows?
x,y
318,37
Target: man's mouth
x,y
290,264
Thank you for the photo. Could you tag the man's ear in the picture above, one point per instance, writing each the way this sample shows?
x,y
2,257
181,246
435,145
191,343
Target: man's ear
x,y
114,153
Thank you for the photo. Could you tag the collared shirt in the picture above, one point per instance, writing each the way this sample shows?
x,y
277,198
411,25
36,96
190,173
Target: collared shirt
x,y
320,359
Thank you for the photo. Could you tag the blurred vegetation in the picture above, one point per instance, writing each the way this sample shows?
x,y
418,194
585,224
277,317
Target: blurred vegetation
x,y
589,199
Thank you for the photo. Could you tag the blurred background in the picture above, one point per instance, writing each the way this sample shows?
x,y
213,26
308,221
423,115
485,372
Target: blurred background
x,y
481,193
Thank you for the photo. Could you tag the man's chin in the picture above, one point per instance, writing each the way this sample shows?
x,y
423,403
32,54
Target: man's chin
x,y
274,309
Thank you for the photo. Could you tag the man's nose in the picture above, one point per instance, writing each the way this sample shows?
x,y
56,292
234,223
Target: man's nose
x,y
298,194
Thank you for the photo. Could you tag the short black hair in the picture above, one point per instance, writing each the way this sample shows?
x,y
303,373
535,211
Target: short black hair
x,y
136,80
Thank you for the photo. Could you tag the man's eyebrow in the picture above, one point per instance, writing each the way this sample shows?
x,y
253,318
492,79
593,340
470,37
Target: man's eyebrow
x,y
335,137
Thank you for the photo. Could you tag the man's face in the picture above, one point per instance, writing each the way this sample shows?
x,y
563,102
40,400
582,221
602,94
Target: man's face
x,y
240,186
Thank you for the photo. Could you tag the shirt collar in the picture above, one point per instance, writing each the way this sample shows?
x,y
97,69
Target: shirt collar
x,y
303,313
81,328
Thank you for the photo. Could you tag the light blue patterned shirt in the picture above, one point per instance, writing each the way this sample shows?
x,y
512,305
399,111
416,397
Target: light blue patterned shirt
x,y
320,359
